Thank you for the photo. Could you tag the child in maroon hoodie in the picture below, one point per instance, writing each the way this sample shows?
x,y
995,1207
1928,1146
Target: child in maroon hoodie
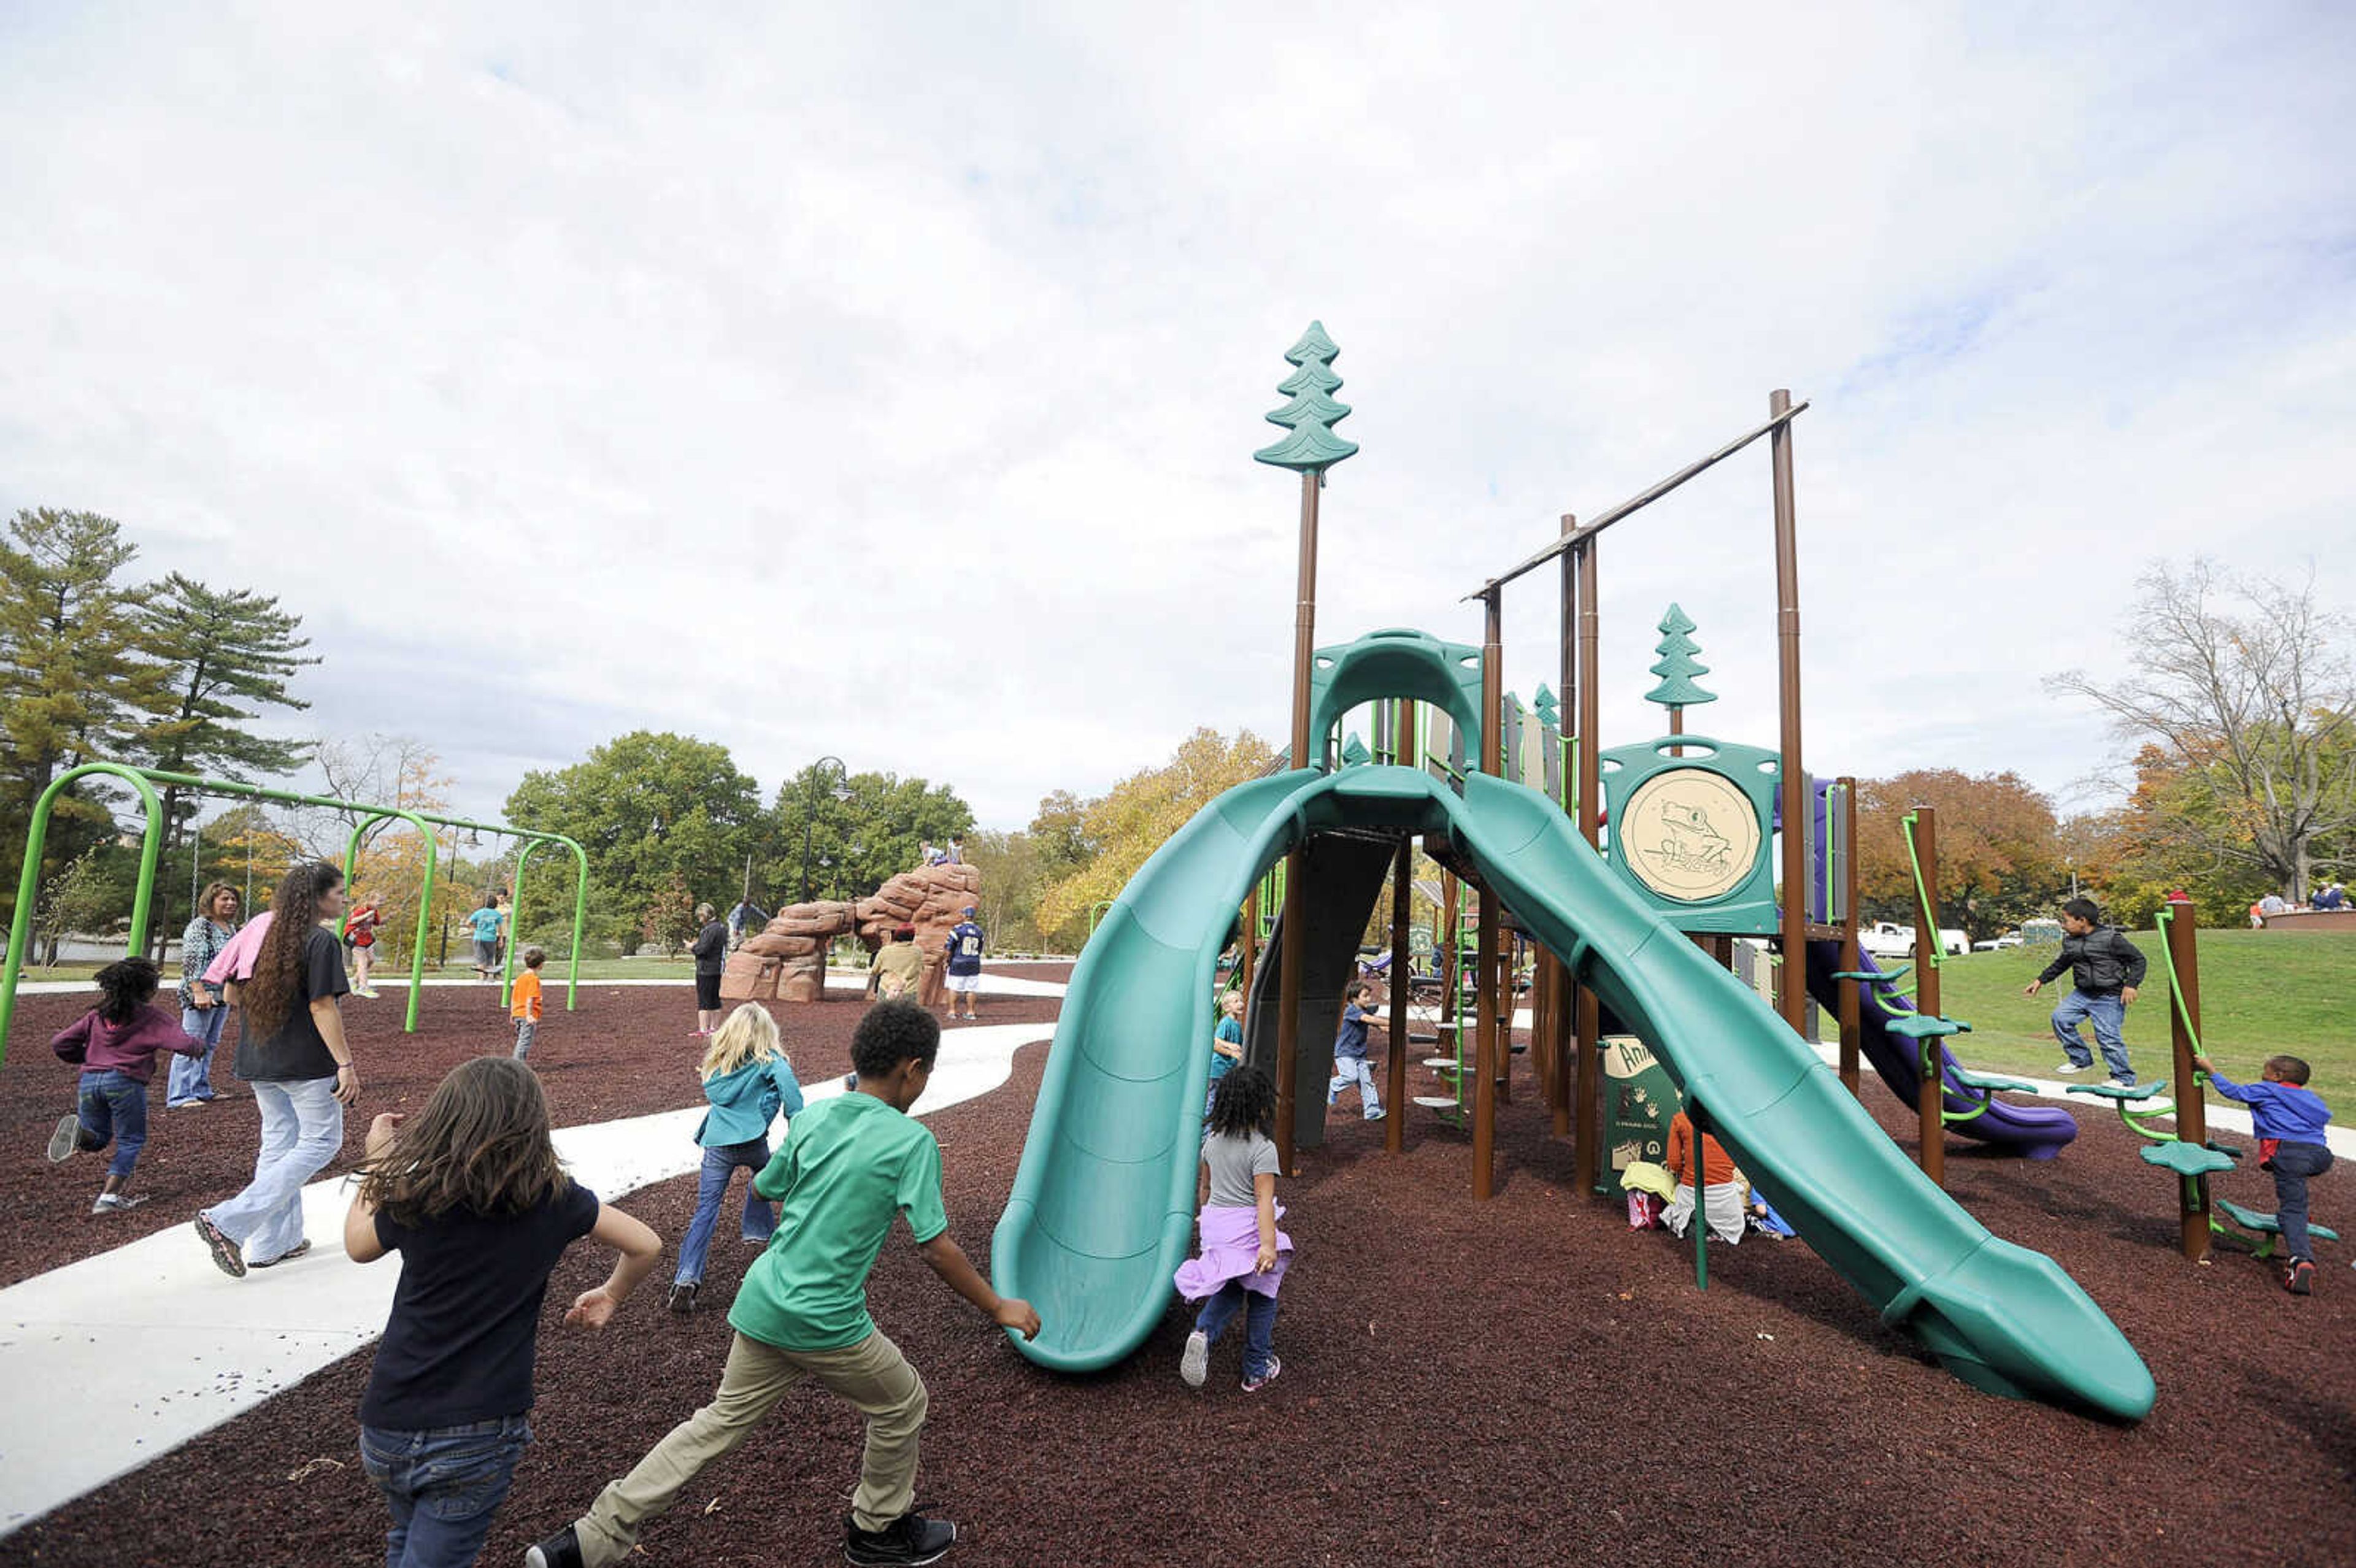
x,y
115,1043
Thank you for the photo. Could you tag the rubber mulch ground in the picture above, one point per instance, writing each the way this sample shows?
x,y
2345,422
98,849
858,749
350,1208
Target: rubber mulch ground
x,y
625,1054
1524,1382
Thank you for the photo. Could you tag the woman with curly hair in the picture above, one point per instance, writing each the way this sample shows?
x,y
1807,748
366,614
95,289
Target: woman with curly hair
x,y
470,1193
291,1048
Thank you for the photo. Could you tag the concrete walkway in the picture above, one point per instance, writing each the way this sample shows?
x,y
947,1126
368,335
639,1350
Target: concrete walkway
x,y
120,1359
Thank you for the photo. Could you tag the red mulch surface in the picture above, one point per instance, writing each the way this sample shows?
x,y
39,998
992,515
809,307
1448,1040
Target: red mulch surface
x,y
625,1052
1521,1382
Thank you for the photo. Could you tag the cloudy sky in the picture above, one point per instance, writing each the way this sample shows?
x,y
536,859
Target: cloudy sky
x,y
882,379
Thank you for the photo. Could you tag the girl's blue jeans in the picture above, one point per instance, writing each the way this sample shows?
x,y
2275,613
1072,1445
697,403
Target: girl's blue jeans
x,y
1260,1323
192,1076
760,1216
444,1486
114,1105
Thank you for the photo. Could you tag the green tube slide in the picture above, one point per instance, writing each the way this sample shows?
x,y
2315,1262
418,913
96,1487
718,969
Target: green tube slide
x,y
1102,1209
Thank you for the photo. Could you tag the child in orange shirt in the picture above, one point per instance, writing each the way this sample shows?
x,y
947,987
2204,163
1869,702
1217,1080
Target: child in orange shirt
x,y
526,1007
1721,1184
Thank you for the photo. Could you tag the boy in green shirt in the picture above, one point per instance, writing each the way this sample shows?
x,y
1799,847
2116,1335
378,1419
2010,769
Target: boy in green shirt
x,y
849,1164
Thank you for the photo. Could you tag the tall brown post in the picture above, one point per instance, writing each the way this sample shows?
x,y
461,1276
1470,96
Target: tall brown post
x,y
2191,1100
1791,993
1488,1052
1852,993
1931,1090
1558,1042
1588,1022
1402,987
1248,953
1295,955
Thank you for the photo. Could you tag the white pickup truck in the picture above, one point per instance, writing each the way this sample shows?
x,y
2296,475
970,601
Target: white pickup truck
x,y
1887,939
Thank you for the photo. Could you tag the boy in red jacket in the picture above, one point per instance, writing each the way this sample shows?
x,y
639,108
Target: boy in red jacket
x,y
115,1044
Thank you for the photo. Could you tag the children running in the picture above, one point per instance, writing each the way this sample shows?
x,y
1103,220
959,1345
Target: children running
x,y
2288,1118
749,1082
848,1165
2104,970
1721,1184
524,1001
115,1044
470,1193
1243,1255
1350,1052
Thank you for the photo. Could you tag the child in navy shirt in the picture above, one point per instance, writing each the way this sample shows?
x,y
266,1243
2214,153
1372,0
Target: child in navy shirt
x,y
2290,1118
1350,1053
470,1193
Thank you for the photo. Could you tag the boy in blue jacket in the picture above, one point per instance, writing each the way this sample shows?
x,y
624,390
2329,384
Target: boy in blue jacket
x,y
749,1081
2290,1118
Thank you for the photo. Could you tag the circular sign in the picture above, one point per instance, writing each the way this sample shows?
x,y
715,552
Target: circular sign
x,y
1688,834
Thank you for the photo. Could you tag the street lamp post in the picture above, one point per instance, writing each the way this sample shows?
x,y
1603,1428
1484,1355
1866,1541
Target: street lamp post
x,y
809,815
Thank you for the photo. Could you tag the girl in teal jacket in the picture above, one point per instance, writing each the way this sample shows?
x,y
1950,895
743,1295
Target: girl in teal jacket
x,y
749,1082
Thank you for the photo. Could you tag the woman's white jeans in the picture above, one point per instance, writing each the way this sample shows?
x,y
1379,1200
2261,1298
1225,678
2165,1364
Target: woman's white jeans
x,y
302,1130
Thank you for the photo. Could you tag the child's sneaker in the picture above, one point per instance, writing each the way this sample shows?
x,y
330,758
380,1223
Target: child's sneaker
x,y
2299,1279
910,1539
116,1202
2117,1082
1196,1364
1376,1116
65,1140
2071,1069
1253,1385
683,1296
562,1549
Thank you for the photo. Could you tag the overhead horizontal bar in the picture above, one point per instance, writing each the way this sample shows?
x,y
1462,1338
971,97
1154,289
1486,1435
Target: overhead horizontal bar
x,y
1587,530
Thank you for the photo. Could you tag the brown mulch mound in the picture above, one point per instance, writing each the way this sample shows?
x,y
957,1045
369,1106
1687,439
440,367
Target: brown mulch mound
x,y
1521,1382
625,1052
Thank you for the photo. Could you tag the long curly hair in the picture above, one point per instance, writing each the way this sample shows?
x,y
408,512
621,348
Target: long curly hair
x,y
1243,1102
480,1146
269,997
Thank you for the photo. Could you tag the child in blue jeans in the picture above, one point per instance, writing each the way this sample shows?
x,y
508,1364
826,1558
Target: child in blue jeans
x,y
749,1081
115,1044
2289,1119
1243,1255
470,1193
1350,1065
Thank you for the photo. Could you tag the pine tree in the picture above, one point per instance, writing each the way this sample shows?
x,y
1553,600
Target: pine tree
x,y
229,654
1547,708
75,682
1678,668
1313,413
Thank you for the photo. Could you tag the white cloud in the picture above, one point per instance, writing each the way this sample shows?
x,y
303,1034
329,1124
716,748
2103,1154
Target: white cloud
x,y
882,382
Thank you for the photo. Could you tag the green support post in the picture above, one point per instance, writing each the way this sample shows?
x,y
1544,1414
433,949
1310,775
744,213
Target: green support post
x,y
424,898
28,879
515,921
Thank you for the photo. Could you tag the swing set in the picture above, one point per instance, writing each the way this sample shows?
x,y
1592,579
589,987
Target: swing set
x,y
150,848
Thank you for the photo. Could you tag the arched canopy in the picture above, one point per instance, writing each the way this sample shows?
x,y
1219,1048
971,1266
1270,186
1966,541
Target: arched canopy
x,y
1395,662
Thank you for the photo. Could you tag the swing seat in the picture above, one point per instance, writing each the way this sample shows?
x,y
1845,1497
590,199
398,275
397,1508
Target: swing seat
x,y
2187,1159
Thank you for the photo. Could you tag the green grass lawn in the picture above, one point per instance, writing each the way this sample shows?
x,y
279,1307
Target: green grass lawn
x,y
2261,992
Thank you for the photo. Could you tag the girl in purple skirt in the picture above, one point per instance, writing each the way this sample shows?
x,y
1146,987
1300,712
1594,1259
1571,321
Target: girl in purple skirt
x,y
1243,1255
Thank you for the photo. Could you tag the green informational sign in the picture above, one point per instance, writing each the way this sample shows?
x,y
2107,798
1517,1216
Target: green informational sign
x,y
1639,1098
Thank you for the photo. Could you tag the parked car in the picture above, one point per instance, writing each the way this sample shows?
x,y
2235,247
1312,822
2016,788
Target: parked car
x,y
2010,940
1887,939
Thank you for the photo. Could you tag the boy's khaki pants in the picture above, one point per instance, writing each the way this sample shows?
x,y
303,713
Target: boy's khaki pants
x,y
873,1375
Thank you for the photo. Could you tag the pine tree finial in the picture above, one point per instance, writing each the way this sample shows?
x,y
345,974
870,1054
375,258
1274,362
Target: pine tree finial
x,y
1311,413
1679,667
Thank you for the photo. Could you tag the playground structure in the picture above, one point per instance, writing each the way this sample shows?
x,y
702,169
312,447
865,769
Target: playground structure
x,y
144,781
786,960
1635,926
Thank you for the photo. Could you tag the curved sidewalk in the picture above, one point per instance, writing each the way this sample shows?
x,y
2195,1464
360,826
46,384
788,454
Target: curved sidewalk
x,y
90,1397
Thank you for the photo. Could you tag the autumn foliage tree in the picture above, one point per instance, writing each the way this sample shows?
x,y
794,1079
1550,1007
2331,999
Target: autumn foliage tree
x,y
1123,827
2000,857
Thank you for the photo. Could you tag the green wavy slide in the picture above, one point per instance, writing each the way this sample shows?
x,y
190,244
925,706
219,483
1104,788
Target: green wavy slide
x,y
1102,1208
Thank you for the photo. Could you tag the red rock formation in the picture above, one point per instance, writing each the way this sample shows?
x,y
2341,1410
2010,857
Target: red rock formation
x,y
787,958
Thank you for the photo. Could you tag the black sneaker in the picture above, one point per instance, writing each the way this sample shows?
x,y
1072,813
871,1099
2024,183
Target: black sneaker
x,y
562,1549
912,1538
683,1296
